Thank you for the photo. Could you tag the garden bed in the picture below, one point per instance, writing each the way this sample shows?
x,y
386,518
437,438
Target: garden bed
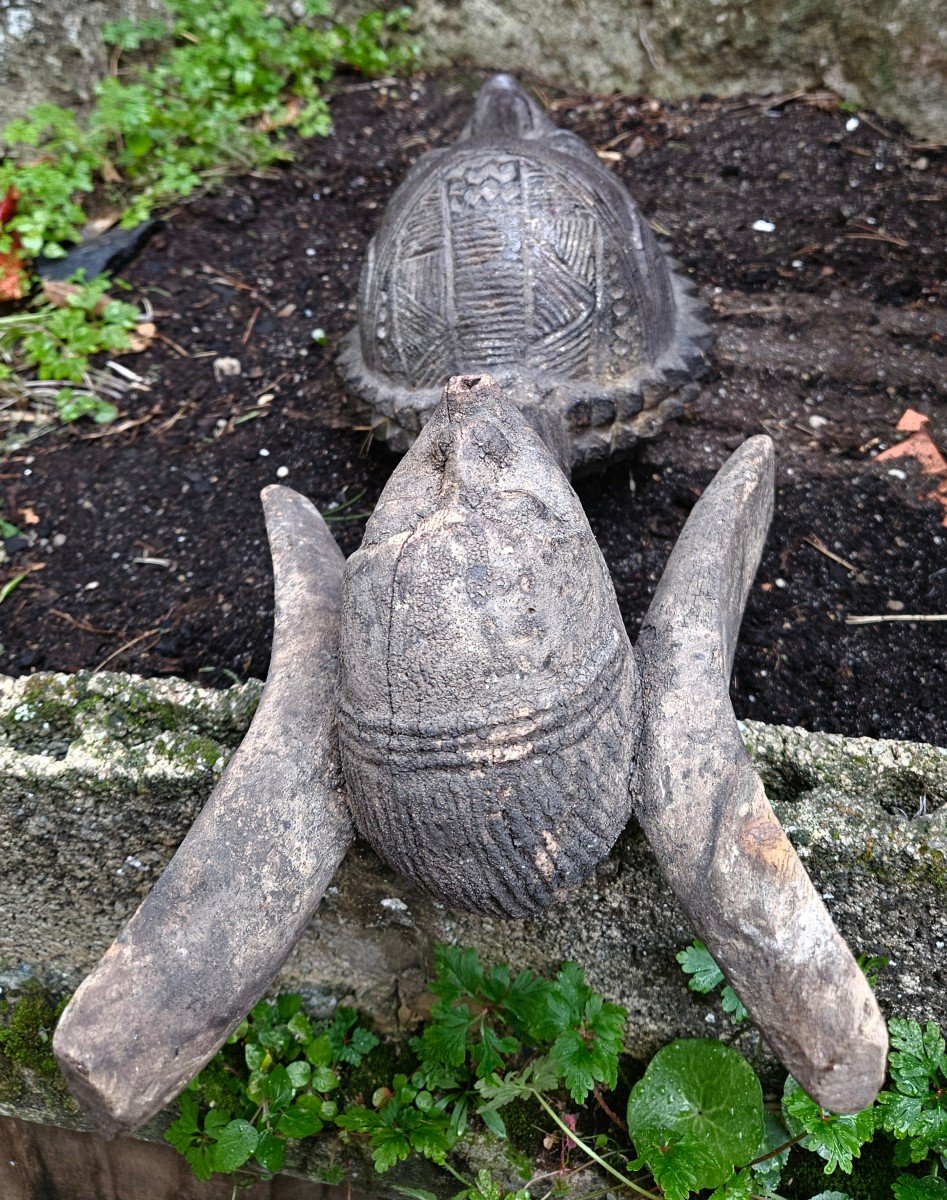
x,y
144,545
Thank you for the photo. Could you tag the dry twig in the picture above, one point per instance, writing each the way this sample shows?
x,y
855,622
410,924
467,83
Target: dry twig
x,y
817,544
878,618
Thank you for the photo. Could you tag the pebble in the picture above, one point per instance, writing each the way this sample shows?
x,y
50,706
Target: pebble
x,y
764,226
282,472
818,422
897,473
224,367
852,124
896,605
264,453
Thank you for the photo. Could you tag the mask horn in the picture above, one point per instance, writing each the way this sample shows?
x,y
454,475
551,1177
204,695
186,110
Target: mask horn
x,y
209,938
702,806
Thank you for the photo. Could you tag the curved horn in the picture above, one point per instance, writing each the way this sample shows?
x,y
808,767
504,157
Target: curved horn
x,y
206,942
704,811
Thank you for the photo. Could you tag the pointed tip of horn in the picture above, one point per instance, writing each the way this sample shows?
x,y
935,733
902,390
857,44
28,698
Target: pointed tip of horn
x,y
278,499
757,451
293,523
853,1081
108,1119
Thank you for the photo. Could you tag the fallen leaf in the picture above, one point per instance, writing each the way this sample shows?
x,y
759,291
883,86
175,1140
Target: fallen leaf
x,y
28,515
101,223
59,293
141,337
912,420
13,273
924,450
288,116
109,172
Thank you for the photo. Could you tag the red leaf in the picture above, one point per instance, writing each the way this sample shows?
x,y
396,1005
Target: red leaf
x,y
13,273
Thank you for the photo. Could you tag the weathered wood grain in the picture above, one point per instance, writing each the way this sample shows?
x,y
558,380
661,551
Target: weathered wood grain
x,y
208,939
703,808
488,699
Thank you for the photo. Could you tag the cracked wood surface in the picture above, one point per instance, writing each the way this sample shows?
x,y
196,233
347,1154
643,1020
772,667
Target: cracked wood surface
x,y
206,942
489,704
704,811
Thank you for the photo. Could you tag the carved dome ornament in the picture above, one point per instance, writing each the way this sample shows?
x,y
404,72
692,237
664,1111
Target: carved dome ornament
x,y
516,252
464,694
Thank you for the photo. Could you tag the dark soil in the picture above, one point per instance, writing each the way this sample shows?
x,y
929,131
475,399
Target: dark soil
x,y
150,539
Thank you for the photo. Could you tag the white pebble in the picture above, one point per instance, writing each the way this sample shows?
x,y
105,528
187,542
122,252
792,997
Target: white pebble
x,y
763,226
852,124
282,472
264,453
780,583
898,474
817,422
394,904
224,367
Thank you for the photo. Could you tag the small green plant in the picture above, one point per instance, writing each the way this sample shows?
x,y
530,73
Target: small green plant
x,y
915,1109
705,976
837,1139
230,81
695,1122
219,89
55,337
7,528
272,1082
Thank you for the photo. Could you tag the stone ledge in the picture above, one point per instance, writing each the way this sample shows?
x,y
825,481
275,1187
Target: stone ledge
x,y
102,774
886,54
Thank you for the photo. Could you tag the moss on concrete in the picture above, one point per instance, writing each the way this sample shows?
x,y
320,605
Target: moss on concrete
x,y
28,1016
97,804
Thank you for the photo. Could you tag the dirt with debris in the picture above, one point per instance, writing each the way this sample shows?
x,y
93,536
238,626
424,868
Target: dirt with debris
x,y
818,241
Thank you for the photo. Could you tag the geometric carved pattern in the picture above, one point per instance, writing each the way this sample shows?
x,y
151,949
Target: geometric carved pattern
x,y
516,252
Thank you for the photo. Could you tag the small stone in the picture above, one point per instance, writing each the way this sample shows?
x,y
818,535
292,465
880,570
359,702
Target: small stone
x,y
852,124
764,226
817,422
921,164
897,473
225,367
896,605
282,472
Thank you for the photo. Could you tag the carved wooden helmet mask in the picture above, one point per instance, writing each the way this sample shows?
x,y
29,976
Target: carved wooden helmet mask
x,y
463,693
